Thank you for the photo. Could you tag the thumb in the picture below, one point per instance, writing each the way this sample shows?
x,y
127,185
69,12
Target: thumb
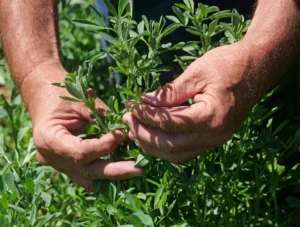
x,y
186,86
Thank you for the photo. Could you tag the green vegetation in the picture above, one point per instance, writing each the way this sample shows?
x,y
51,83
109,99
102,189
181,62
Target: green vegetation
x,y
251,180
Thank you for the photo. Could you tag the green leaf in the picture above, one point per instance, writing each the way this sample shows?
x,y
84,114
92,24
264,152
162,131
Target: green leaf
x,y
17,208
58,85
69,99
98,16
116,106
204,10
110,102
173,19
139,80
111,8
97,57
2,146
72,89
47,198
141,27
230,37
116,127
33,212
112,193
122,6
146,22
131,200
189,4
140,219
215,9
80,88
171,28
221,15
227,27
184,7
179,14
142,160
170,208
9,180
134,153
212,26
194,32
29,185
158,194
109,38
41,221
88,25
125,91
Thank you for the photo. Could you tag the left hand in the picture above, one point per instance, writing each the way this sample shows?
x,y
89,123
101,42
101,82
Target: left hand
x,y
224,84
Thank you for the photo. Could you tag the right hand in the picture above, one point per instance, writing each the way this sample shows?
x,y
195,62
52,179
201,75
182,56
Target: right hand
x,y
56,123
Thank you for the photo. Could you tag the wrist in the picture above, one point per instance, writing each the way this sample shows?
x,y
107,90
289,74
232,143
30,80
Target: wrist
x,y
37,86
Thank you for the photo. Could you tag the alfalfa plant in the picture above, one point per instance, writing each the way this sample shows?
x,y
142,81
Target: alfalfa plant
x,y
137,47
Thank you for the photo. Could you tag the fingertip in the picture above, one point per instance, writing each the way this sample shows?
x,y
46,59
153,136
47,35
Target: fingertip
x,y
139,172
121,170
136,171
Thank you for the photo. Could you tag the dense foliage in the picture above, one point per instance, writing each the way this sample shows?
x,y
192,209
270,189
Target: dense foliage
x,y
251,180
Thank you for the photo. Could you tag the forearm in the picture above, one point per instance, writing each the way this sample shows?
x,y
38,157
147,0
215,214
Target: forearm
x,y
274,37
29,34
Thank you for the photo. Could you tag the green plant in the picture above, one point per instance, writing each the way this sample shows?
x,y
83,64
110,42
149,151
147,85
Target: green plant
x,y
245,182
137,49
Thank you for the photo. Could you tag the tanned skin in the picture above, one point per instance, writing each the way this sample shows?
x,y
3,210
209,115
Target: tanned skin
x,y
225,84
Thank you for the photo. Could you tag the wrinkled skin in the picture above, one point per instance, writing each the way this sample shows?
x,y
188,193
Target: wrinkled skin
x,y
224,86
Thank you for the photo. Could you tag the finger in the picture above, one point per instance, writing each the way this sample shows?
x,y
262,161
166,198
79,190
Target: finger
x,y
179,158
82,151
98,169
196,117
103,169
166,142
180,90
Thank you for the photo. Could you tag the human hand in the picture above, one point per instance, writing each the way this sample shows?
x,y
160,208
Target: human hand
x,y
56,123
224,85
